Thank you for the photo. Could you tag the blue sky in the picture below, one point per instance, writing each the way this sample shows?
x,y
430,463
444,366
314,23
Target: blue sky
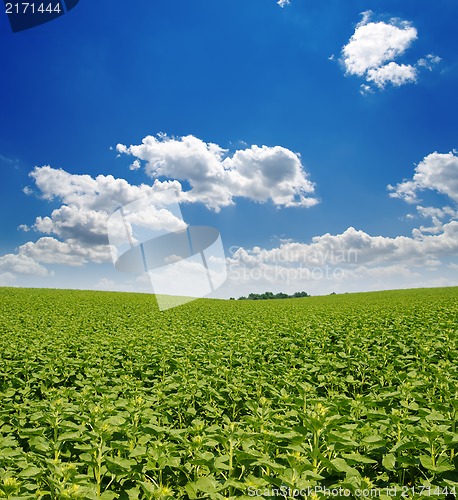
x,y
329,101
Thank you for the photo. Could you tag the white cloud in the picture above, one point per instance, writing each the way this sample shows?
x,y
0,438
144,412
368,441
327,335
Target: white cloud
x,y
436,215
262,173
103,192
283,3
355,247
256,173
80,222
71,252
396,74
87,201
429,61
365,18
383,272
11,264
350,260
355,260
373,48
135,165
75,233
437,172
73,222
374,44
366,89
439,213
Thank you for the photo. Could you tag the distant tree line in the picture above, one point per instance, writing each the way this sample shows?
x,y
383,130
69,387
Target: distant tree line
x,y
270,295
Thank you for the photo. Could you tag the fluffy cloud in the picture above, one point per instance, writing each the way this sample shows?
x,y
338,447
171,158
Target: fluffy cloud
x,y
394,73
80,222
374,44
429,61
75,233
355,260
12,264
354,248
71,222
103,192
437,216
216,178
136,165
373,48
437,172
350,260
437,213
71,252
283,3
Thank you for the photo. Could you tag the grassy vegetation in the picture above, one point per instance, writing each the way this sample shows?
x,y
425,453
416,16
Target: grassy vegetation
x,y
102,396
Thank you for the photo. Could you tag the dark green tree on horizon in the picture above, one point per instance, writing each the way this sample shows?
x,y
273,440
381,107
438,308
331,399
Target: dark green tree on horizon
x,y
271,295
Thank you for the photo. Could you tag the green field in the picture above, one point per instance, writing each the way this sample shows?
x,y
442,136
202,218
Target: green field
x,y
103,396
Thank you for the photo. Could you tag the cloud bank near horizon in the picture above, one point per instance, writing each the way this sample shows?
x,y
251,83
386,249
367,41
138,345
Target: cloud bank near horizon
x,y
75,234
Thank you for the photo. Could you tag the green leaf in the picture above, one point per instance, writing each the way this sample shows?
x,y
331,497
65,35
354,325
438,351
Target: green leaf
x,y
115,421
389,461
139,451
341,465
70,436
358,458
108,495
119,464
221,462
375,438
427,462
148,487
31,471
